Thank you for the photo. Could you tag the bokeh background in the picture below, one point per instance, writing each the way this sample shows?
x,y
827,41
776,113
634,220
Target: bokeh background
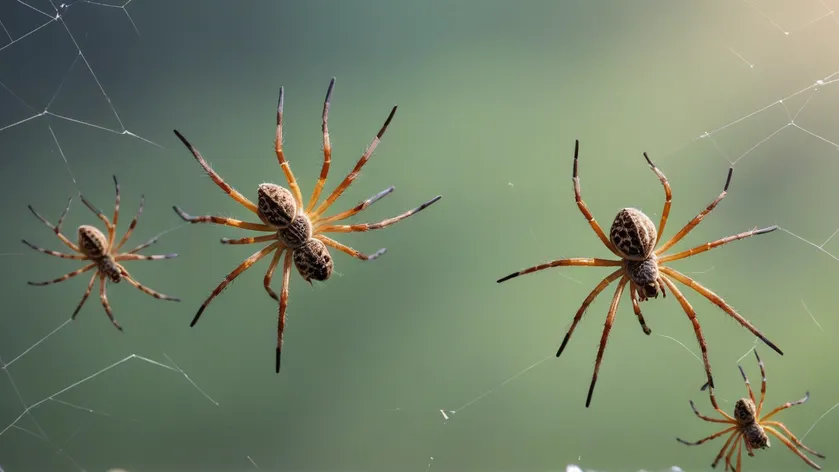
x,y
492,95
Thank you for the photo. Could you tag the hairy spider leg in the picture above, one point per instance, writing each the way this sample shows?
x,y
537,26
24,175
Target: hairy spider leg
x,y
327,150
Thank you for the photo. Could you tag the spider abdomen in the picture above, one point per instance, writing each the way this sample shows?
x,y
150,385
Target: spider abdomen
x,y
296,234
92,242
313,261
276,205
633,234
755,435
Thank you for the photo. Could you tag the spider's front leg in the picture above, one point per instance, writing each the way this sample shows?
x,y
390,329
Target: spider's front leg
x,y
220,220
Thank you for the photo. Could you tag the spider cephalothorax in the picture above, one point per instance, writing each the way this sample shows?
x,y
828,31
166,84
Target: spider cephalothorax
x,y
747,424
296,228
633,238
103,253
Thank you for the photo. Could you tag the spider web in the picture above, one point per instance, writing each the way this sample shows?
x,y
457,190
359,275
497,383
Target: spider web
x,y
786,67
42,424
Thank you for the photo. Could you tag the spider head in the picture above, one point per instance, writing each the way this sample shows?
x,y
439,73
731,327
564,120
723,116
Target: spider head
x,y
313,261
633,234
92,242
744,411
649,290
276,205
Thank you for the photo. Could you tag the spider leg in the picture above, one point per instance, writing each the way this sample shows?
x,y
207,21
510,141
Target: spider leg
x,y
57,228
348,250
250,240
668,197
762,384
637,308
610,318
588,301
101,216
65,276
112,234
794,439
104,298
140,257
144,289
748,384
283,306
327,150
217,178
734,447
584,208
711,245
574,261
79,257
354,172
373,226
785,406
733,437
708,438
728,419
696,219
232,276
358,208
691,314
717,300
220,220
278,150
84,297
740,455
144,245
792,447
132,225
266,281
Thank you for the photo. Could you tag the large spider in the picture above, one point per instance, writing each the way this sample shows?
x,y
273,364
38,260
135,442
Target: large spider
x,y
748,425
294,229
103,254
633,238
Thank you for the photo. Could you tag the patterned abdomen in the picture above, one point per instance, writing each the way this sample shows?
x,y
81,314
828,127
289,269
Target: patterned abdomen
x,y
92,242
633,234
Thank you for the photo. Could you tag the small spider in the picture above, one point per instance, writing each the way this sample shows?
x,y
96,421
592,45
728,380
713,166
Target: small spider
x,y
104,255
748,425
294,229
633,238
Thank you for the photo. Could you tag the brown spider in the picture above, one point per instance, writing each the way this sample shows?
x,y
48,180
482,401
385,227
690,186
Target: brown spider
x,y
748,425
105,257
298,232
633,238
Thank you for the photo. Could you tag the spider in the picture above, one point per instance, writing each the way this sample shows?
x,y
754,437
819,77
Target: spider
x,y
748,425
633,238
103,254
297,231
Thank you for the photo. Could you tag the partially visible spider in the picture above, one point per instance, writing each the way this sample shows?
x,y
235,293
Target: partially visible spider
x,y
748,425
633,238
102,252
294,229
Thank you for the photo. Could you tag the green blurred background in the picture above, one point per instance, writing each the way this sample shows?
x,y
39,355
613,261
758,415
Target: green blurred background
x,y
491,95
